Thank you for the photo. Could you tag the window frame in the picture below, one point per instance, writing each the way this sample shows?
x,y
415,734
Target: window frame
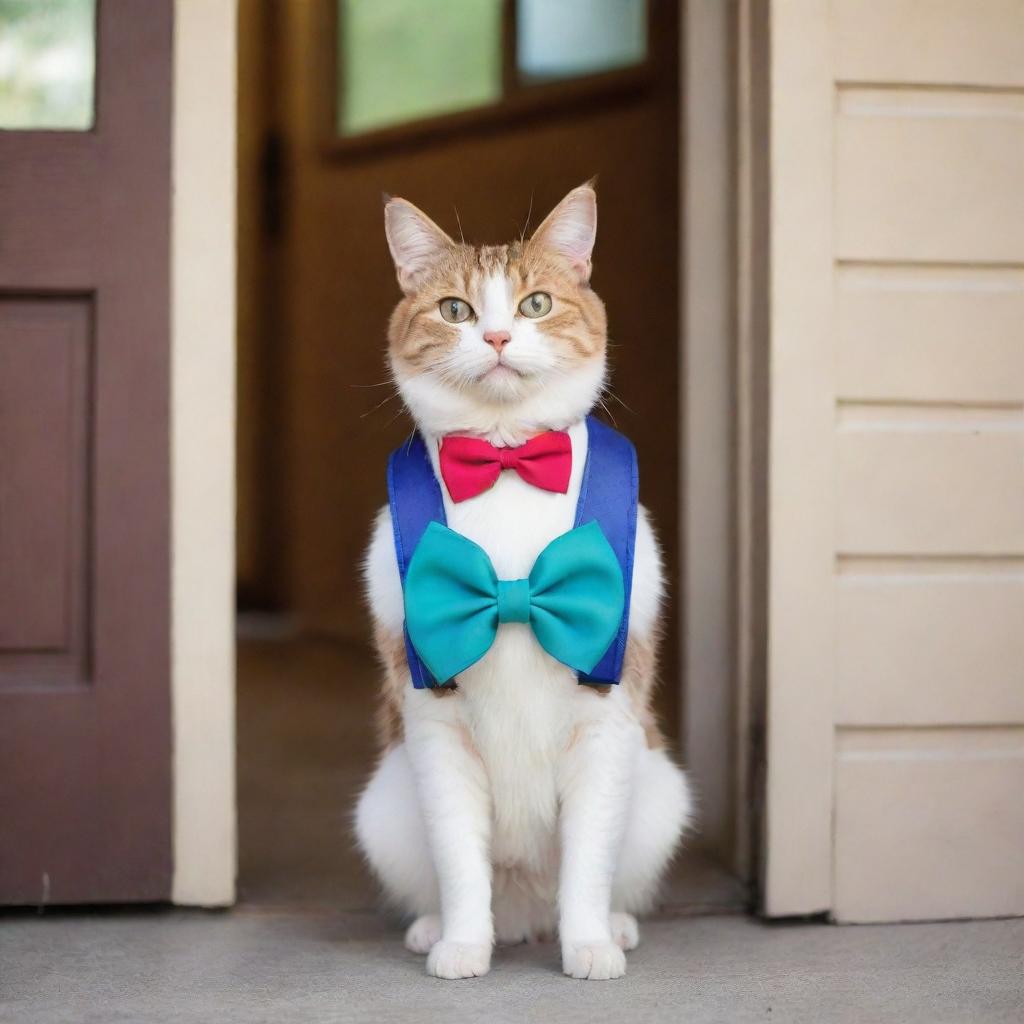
x,y
518,101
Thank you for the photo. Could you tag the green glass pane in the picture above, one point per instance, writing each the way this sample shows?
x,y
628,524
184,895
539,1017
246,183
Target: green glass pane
x,y
399,60
47,63
569,38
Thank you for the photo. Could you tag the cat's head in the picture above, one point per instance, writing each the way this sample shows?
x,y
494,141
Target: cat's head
x,y
498,341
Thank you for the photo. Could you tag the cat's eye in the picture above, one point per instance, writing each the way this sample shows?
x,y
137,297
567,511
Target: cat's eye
x,y
536,305
455,311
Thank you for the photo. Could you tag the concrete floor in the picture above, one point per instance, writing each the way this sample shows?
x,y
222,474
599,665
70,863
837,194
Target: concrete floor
x,y
251,966
307,944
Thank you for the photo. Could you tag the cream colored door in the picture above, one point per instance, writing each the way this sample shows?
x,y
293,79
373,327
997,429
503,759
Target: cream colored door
x,y
895,701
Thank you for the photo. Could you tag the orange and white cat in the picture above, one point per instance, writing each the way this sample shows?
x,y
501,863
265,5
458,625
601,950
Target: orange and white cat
x,y
519,804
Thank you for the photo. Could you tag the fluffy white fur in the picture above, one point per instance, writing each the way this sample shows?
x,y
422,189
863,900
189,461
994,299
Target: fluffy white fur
x,y
526,805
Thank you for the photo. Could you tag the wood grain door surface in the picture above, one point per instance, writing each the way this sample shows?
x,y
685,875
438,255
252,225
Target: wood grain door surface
x,y
85,746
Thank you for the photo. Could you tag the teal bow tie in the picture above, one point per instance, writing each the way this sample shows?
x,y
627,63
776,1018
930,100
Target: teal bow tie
x,y
454,601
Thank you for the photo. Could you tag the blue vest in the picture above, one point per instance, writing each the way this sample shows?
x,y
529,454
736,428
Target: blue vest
x,y
608,496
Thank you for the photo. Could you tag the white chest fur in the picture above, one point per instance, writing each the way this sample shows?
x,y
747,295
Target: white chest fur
x,y
518,703
513,521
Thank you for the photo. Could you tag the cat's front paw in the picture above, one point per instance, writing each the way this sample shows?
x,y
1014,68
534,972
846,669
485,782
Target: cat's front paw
x,y
594,961
421,935
625,930
449,959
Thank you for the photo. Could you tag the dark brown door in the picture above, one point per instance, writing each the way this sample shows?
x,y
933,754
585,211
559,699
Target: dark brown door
x,y
84,485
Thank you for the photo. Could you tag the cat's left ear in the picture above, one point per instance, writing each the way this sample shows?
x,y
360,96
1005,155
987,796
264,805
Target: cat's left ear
x,y
570,229
415,241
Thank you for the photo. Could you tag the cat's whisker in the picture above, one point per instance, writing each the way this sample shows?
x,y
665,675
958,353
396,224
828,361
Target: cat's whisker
x,y
398,415
379,405
604,405
612,393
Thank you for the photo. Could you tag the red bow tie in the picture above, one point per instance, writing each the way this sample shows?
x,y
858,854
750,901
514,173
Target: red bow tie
x,y
469,465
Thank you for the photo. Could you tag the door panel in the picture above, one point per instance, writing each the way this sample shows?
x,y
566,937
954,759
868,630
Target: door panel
x,y
930,333
928,824
971,41
930,648
945,484
929,175
45,397
84,486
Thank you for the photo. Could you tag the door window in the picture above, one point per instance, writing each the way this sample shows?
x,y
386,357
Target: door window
x,y
47,64
403,62
578,37
405,59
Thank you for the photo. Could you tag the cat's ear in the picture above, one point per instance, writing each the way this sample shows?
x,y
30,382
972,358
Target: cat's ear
x,y
570,229
415,241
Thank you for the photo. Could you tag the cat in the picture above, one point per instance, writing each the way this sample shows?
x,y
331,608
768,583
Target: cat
x,y
520,804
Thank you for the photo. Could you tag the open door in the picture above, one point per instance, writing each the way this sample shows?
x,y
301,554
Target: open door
x,y
895,704
85,751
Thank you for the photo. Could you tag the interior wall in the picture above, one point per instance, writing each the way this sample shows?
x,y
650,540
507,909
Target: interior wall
x,y
335,288
252,283
260,352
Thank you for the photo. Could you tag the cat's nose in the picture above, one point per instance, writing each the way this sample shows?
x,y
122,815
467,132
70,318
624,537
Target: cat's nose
x,y
497,339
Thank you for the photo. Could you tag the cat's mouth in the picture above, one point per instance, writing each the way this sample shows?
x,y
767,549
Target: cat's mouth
x,y
501,371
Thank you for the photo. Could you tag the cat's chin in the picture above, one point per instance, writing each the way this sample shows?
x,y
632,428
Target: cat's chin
x,y
502,385
505,411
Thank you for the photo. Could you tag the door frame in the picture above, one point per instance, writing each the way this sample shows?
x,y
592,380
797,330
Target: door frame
x,y
723,453
724,402
203,451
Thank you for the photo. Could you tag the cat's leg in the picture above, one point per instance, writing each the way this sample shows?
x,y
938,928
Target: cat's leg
x,y
661,808
455,801
423,933
391,833
596,781
625,930
390,830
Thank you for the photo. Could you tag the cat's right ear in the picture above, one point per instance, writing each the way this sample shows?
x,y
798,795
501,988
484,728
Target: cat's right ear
x,y
415,241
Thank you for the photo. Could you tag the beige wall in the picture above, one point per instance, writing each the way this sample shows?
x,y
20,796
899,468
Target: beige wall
x,y
895,750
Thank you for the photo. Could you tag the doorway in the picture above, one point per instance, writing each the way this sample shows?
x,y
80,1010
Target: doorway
x,y
321,136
